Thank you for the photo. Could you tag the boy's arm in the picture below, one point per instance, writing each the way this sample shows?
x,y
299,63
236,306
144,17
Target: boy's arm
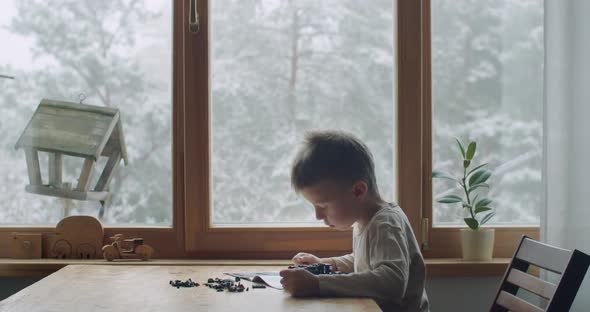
x,y
343,263
388,279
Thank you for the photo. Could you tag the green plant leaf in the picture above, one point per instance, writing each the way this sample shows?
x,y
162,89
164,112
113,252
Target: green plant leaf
x,y
472,223
487,218
475,199
442,175
470,151
450,199
480,177
466,163
484,202
482,209
474,169
474,187
480,171
460,147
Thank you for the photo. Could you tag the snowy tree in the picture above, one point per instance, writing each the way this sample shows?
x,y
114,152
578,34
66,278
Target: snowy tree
x,y
278,68
92,48
487,85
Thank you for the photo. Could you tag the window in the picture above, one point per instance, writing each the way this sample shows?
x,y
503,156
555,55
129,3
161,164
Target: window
x,y
212,118
115,53
188,204
276,68
487,85
279,68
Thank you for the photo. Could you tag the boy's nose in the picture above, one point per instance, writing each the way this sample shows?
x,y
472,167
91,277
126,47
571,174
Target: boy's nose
x,y
319,215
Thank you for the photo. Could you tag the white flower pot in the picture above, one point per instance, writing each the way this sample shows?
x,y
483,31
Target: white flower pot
x,y
477,245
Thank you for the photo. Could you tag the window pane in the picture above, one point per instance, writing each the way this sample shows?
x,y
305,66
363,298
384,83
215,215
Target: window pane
x,y
279,68
117,53
487,81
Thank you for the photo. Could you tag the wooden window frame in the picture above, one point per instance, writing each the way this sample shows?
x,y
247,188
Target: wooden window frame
x,y
192,236
202,239
205,241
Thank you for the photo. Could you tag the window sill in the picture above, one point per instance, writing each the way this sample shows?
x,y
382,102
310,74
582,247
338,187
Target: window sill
x,y
434,267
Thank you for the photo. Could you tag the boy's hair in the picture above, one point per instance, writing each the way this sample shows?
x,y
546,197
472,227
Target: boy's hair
x,y
333,155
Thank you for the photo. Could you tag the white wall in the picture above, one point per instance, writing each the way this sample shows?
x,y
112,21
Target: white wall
x,y
468,294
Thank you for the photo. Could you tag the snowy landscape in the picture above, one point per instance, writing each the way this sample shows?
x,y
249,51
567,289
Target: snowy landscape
x,y
278,68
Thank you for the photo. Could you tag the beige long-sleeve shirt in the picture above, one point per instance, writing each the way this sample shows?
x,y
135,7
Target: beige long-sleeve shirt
x,y
386,265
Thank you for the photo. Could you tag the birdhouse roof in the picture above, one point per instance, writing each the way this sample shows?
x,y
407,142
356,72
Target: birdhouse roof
x,y
74,129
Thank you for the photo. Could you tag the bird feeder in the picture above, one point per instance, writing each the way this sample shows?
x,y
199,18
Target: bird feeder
x,y
78,130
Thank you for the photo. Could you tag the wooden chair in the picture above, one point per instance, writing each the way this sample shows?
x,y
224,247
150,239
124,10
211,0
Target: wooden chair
x,y
571,265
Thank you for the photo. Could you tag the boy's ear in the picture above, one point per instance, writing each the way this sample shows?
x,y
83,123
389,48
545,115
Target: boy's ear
x,y
359,189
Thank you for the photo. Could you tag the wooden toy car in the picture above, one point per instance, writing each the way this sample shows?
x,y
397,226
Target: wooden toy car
x,y
132,248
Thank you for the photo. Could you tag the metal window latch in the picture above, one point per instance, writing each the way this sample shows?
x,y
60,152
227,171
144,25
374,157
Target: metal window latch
x,y
193,20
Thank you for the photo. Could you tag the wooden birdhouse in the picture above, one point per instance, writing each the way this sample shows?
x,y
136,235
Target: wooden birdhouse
x,y
78,130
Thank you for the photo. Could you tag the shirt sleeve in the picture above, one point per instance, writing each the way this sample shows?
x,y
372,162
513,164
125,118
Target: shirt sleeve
x,y
389,263
344,263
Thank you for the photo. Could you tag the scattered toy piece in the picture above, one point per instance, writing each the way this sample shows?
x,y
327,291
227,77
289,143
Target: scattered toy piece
x,y
186,284
226,284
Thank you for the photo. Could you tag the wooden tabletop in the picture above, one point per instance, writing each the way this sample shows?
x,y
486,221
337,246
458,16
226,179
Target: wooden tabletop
x,y
146,288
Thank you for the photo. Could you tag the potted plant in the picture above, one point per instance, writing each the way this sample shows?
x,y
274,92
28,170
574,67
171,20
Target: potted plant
x,y
477,242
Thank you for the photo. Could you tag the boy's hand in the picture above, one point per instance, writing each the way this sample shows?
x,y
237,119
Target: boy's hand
x,y
300,283
305,258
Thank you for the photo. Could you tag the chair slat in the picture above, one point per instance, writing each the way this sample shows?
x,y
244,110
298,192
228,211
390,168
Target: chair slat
x,y
516,304
544,256
531,283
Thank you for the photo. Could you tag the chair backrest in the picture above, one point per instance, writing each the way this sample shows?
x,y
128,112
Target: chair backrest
x,y
570,265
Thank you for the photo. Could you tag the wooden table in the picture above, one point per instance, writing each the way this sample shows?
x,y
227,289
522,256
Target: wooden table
x,y
146,288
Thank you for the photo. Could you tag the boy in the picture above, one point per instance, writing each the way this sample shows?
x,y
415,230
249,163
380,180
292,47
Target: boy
x,y
335,172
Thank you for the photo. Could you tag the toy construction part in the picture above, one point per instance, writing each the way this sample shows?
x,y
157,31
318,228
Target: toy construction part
x,y
316,268
221,285
186,284
122,248
76,237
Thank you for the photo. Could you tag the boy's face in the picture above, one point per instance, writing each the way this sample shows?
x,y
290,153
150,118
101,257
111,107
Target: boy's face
x,y
337,204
